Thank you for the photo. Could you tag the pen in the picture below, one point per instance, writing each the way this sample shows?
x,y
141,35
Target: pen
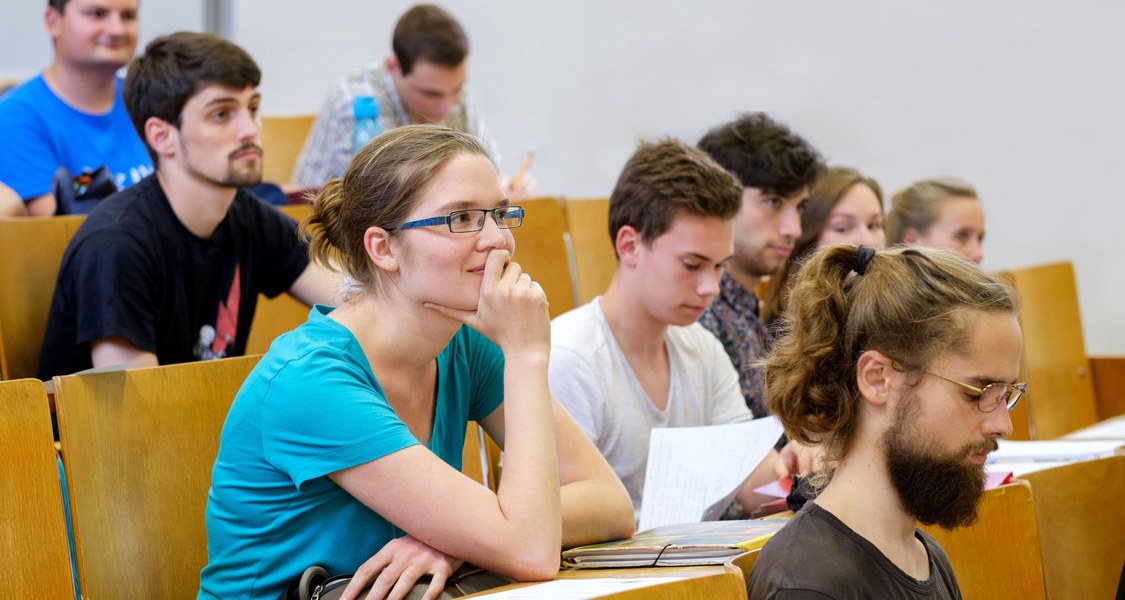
x,y
524,166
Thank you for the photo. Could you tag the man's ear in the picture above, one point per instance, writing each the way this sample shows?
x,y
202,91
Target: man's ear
x,y
910,235
628,245
377,243
161,136
53,19
392,65
873,374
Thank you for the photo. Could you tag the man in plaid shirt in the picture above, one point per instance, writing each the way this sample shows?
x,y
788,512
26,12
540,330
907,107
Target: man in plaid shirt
x,y
423,81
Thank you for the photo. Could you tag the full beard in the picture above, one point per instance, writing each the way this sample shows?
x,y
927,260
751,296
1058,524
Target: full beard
x,y
934,488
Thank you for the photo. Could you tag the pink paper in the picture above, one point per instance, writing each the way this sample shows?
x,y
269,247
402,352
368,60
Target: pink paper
x,y
776,489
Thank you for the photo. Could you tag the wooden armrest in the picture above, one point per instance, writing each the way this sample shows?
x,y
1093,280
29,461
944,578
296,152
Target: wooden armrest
x,y
1108,376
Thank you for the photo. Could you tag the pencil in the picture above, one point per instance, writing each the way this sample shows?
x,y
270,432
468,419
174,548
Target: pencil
x,y
524,166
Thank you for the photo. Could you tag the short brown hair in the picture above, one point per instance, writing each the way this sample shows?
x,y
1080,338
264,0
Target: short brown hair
x,y
918,205
823,197
665,178
379,188
427,32
910,304
176,67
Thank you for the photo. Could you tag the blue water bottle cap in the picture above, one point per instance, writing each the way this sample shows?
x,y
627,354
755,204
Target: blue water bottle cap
x,y
365,108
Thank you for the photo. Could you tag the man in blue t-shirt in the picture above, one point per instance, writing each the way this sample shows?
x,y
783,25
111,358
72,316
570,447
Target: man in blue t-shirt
x,y
72,114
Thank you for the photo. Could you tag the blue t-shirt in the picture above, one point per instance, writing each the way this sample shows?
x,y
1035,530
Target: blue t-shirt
x,y
41,133
312,407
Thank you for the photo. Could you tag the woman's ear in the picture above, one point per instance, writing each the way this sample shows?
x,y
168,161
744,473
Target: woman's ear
x,y
910,235
383,254
628,244
873,373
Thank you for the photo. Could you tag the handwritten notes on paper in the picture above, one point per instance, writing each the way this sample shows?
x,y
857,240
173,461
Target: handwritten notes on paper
x,y
693,472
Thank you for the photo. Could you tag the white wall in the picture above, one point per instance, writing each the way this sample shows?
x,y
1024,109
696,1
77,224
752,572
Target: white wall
x,y
25,47
1023,99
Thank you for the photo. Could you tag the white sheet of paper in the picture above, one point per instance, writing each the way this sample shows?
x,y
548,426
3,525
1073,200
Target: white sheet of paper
x,y
1052,450
1110,429
692,468
1019,469
575,589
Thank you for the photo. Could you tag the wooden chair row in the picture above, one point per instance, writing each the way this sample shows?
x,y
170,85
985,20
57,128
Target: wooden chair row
x,y
565,246
137,447
1066,389
31,251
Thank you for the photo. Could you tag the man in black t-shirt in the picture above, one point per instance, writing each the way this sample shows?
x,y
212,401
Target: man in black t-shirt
x,y
169,270
900,365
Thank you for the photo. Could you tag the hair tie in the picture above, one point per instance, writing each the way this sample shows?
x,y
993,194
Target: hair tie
x,y
863,258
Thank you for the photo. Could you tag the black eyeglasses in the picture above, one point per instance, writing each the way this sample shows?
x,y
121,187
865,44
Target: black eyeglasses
x,y
471,220
992,395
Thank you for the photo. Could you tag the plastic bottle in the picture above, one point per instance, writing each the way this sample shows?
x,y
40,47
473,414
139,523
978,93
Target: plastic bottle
x,y
367,126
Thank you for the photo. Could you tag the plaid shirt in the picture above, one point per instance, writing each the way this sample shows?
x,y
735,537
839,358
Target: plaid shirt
x,y
328,149
733,318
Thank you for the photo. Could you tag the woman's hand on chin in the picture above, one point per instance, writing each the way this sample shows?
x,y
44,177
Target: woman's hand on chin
x,y
512,310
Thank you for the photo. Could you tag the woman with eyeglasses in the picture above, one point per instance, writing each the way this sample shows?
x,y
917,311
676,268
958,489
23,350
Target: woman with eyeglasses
x,y
343,447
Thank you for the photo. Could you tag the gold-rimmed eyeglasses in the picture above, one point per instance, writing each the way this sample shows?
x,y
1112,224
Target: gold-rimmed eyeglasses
x,y
992,395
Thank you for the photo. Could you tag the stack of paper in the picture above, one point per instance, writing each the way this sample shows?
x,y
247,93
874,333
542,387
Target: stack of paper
x,y
707,543
1109,429
1021,458
1053,450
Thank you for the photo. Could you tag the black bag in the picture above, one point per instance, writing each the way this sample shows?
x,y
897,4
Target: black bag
x,y
78,195
316,584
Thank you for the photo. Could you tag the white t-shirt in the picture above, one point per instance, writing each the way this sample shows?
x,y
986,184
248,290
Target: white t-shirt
x,y
592,378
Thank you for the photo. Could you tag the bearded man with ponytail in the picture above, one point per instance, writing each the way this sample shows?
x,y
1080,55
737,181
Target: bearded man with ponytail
x,y
900,366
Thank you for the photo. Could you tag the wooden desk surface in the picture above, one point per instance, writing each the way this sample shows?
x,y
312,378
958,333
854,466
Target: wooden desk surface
x,y
718,582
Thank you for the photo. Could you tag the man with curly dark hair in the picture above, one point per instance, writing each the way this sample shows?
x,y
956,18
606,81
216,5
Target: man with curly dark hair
x,y
776,168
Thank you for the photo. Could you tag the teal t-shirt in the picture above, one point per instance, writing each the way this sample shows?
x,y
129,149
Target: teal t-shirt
x,y
312,407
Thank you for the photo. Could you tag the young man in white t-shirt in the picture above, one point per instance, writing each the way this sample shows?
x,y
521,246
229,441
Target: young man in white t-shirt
x,y
636,358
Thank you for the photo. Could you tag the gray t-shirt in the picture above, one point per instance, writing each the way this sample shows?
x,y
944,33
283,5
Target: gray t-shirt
x,y
817,557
